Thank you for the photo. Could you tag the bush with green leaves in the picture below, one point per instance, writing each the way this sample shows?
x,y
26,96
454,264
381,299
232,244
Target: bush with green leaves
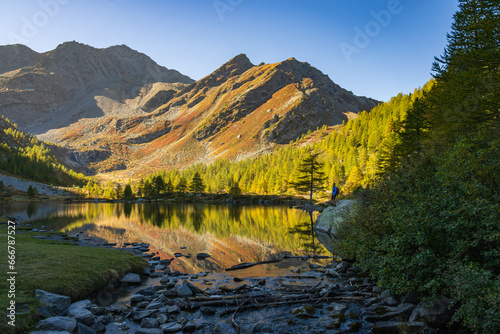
x,y
433,226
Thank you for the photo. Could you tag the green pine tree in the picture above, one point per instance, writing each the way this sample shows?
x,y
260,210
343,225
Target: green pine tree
x,y
467,90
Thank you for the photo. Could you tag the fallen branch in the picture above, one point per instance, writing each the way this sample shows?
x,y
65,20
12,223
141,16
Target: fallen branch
x,y
248,265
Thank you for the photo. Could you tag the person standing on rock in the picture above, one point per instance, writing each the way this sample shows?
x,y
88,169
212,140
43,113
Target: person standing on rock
x,y
335,192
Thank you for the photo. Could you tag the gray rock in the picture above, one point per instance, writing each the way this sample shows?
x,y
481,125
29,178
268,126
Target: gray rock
x,y
183,290
435,314
154,306
84,329
98,327
82,304
397,327
131,278
148,331
162,318
143,304
171,327
105,319
43,312
58,324
97,310
150,323
80,312
337,310
55,304
173,309
149,291
139,315
137,298
390,301
170,293
189,327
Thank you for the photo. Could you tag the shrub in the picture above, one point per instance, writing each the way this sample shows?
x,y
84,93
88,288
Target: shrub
x,y
433,227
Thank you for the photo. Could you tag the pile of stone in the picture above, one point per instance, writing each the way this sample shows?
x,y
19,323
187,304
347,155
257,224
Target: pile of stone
x,y
62,316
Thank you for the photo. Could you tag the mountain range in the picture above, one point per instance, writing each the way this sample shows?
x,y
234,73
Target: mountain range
x,y
117,109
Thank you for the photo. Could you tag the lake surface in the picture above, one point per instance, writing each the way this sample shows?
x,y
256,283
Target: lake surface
x,y
231,234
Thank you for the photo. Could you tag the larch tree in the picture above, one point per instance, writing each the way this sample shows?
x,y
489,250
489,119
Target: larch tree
x,y
310,175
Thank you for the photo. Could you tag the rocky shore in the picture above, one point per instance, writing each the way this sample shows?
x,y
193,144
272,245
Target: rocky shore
x,y
331,298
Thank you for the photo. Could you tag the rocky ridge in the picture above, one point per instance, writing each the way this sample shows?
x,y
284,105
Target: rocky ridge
x,y
57,88
124,112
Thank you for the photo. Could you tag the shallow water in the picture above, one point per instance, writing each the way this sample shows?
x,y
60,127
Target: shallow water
x,y
231,234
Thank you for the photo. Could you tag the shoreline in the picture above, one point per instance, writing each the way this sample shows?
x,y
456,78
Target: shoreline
x,y
334,298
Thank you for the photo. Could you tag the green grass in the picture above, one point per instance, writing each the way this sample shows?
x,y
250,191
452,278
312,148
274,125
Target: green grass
x,y
57,267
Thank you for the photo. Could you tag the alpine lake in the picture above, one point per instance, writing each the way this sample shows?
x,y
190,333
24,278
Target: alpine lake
x,y
230,234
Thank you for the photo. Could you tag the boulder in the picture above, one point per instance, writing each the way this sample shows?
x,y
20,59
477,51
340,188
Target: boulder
x,y
80,311
435,314
131,278
183,290
328,221
82,315
55,304
58,323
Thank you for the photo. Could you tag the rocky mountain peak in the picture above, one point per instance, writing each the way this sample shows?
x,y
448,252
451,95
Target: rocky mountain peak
x,y
237,65
15,56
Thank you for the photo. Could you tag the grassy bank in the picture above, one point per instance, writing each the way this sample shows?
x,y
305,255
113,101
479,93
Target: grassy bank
x,y
57,267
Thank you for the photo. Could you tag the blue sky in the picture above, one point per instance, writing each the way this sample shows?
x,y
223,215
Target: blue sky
x,y
375,48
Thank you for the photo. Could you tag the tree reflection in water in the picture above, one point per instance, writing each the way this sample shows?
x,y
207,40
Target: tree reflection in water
x,y
305,230
277,227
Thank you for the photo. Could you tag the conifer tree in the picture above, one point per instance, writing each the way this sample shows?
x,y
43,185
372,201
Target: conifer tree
x,y
127,192
147,190
158,185
196,185
310,175
415,128
181,187
31,192
467,90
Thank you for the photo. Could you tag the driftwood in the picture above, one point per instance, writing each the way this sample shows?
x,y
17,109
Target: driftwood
x,y
316,257
251,264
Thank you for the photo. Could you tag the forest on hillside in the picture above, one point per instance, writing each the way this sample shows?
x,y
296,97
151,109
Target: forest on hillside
x,y
23,155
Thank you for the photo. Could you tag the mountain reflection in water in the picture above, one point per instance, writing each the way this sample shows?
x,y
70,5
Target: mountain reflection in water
x,y
230,234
